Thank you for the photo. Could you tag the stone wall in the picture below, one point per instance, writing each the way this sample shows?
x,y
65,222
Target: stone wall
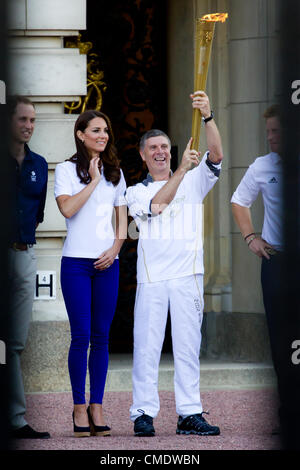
x,y
41,68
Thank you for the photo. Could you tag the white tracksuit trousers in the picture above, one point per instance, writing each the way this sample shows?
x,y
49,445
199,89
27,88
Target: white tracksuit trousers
x,y
184,298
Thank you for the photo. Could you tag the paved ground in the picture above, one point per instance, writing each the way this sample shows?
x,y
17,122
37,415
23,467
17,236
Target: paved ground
x,y
245,417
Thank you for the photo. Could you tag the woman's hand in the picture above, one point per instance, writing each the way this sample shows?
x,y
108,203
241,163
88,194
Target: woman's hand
x,y
106,259
70,205
94,171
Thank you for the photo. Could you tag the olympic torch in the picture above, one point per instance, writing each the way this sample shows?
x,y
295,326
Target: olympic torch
x,y
204,34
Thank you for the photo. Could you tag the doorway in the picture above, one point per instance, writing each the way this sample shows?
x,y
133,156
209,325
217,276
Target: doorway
x,y
129,40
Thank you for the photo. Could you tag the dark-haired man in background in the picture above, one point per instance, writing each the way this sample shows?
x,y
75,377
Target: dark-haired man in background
x,y
30,175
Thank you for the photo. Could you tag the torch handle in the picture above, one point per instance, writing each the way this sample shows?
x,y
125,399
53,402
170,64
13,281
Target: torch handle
x,y
196,128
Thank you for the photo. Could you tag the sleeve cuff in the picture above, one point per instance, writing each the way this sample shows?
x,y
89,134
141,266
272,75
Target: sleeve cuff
x,y
214,167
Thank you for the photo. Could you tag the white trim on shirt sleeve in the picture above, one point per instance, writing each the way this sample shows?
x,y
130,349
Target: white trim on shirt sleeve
x,y
202,178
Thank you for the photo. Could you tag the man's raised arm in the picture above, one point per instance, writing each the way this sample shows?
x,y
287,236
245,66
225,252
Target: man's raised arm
x,y
213,138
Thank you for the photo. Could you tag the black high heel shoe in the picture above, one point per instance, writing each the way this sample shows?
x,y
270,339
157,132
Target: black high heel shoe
x,y
97,430
81,431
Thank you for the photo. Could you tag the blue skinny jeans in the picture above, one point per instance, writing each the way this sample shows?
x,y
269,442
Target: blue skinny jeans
x,y
90,297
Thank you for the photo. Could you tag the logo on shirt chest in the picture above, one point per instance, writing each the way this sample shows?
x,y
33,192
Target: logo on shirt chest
x,y
33,176
273,180
175,207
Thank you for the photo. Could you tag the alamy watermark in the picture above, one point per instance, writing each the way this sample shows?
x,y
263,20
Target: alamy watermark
x,y
295,358
2,92
179,221
296,94
2,352
296,354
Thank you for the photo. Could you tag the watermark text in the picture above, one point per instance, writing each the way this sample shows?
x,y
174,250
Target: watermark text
x,y
296,93
2,92
2,352
296,354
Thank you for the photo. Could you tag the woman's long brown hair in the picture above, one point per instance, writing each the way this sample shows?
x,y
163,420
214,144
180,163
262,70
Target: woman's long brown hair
x,y
109,159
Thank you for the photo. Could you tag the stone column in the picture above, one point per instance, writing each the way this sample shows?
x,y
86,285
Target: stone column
x,y
182,15
217,217
241,83
49,74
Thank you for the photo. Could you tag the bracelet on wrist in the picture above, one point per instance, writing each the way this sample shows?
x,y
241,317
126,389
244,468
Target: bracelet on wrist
x,y
251,240
249,234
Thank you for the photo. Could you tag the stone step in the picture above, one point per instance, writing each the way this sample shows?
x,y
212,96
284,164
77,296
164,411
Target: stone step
x,y
215,374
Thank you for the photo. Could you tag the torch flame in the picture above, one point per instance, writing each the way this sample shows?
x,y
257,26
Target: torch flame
x,y
215,17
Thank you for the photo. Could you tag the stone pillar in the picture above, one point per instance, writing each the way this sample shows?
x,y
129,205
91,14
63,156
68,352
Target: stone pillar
x,y
216,230
217,257
241,83
49,74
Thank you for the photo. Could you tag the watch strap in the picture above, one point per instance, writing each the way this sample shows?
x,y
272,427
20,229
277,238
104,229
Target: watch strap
x,y
209,118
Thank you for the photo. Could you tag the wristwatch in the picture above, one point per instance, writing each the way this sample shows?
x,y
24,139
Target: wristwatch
x,y
205,120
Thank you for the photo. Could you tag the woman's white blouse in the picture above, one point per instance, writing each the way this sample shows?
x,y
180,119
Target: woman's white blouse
x,y
90,231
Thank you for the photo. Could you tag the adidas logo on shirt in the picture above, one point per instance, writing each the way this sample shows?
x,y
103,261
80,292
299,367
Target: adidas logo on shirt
x,y
273,180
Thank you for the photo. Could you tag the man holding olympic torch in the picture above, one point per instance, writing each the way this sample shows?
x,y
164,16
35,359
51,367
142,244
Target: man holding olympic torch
x,y
167,209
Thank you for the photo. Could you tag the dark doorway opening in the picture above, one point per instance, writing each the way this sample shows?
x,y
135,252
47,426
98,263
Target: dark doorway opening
x,y
129,38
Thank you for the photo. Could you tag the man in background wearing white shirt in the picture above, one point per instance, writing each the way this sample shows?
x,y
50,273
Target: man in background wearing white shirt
x,y
265,175
167,209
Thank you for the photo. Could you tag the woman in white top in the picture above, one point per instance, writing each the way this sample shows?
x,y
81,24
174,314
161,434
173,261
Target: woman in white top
x,y
89,187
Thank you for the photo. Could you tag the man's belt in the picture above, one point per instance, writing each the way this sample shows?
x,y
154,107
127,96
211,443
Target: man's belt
x,y
20,246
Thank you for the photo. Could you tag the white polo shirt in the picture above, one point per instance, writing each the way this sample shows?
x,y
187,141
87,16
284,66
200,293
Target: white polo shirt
x,y
265,174
90,230
170,244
